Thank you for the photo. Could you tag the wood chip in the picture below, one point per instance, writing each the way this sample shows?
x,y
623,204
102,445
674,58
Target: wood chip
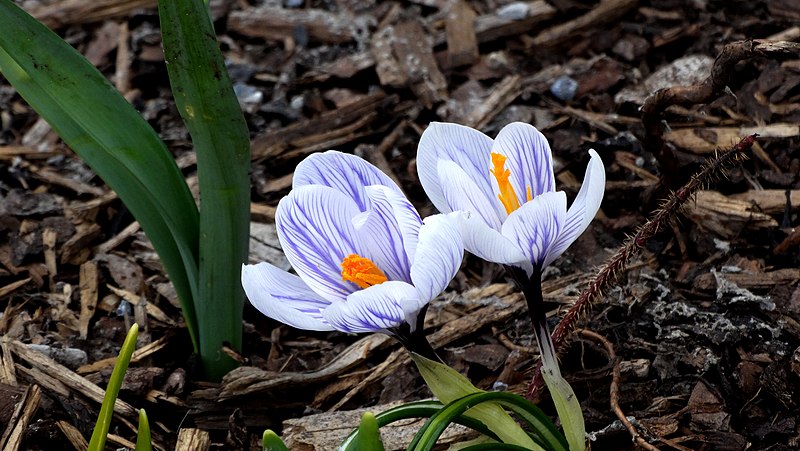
x,y
71,12
606,11
278,24
26,408
88,288
404,56
6,290
462,42
725,216
139,354
73,435
69,379
709,139
193,440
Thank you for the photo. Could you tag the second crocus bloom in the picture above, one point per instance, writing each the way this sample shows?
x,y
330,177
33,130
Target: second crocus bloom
x,y
505,188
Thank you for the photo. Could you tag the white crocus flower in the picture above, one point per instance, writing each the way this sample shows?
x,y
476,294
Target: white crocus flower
x,y
506,188
364,259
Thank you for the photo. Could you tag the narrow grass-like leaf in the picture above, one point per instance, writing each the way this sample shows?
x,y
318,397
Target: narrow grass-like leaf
x,y
143,439
540,424
98,440
271,442
208,105
114,140
416,409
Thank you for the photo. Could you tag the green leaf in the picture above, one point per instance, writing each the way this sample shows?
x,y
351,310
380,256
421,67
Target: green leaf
x,y
567,405
143,440
205,98
416,409
369,437
271,442
106,132
448,385
98,440
540,424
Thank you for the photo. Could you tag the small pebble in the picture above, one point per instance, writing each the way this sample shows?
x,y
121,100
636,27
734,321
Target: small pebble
x,y
514,11
564,88
71,358
124,308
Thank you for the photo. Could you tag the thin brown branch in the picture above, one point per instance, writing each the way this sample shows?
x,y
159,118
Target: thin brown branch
x,y
614,387
618,262
710,89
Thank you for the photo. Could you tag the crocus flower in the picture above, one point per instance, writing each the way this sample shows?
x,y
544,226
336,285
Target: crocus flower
x,y
364,259
506,188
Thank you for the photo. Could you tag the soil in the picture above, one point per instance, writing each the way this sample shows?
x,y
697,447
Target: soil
x,y
704,320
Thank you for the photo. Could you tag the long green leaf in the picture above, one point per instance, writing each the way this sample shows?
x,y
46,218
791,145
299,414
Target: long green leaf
x,y
98,440
107,132
416,409
541,425
208,105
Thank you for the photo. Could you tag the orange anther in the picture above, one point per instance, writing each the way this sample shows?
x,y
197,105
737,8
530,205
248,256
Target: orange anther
x,y
507,195
361,271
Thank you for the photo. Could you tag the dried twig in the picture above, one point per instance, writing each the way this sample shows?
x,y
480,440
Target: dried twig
x,y
711,88
614,387
617,263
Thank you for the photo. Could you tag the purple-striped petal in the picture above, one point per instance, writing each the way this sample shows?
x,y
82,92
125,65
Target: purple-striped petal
x,y
439,256
583,209
382,235
536,225
284,297
316,231
376,309
489,244
466,147
462,194
344,172
529,159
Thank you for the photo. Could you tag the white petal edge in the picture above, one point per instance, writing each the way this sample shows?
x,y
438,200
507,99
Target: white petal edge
x,y
583,209
529,159
376,309
341,171
283,297
535,226
489,244
464,146
439,256
316,231
462,194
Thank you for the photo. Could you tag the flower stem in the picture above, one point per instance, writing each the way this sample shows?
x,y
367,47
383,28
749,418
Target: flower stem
x,y
415,341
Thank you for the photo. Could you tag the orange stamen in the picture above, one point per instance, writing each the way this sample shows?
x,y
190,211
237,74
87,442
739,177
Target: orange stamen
x,y
361,271
507,195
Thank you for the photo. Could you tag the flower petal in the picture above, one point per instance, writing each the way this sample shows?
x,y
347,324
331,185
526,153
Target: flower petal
x,y
284,297
536,225
529,159
461,193
390,221
315,228
583,208
377,308
464,146
438,257
489,244
344,172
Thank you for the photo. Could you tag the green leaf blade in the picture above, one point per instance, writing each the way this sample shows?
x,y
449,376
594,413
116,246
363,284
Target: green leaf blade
x,y
107,132
208,105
